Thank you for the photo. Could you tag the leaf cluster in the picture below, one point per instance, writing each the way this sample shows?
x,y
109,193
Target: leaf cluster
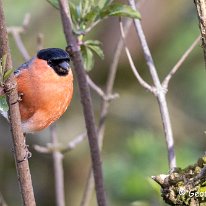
x,y
86,14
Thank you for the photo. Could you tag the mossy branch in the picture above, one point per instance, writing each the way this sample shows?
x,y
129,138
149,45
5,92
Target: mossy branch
x,y
185,186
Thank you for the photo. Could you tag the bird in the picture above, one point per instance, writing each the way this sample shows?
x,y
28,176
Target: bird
x,y
45,89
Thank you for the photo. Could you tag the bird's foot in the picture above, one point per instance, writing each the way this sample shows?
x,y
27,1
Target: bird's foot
x,y
27,155
19,99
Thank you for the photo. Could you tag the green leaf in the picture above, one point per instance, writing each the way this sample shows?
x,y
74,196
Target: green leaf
x,y
54,3
103,3
117,9
4,58
86,6
92,42
92,15
78,11
3,104
8,73
87,57
94,45
74,13
97,50
2,68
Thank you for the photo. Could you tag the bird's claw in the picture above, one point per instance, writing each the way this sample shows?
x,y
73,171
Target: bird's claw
x,y
19,99
27,155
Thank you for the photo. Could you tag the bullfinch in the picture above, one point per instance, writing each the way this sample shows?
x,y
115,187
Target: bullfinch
x,y
45,88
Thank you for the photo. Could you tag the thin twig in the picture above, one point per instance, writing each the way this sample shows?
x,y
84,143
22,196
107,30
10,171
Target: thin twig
x,y
160,92
74,143
26,21
20,45
58,169
89,188
132,65
100,92
92,26
86,102
50,148
16,33
97,89
179,63
44,150
20,148
40,38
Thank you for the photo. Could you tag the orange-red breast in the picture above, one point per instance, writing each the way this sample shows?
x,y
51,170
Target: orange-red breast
x,y
45,85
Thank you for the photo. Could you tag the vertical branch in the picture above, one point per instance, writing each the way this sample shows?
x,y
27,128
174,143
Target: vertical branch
x,y
20,148
86,102
201,13
142,82
58,169
103,114
160,92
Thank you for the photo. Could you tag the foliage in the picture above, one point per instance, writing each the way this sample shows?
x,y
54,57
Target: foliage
x,y
85,15
88,48
4,75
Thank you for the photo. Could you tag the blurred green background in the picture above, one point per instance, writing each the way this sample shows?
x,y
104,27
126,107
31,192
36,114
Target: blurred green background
x,y
134,146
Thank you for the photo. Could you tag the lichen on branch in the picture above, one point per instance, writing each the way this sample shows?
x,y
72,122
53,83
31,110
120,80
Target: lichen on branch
x,y
185,186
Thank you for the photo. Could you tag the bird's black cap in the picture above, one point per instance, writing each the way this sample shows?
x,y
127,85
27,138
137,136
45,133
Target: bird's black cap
x,y
57,59
53,54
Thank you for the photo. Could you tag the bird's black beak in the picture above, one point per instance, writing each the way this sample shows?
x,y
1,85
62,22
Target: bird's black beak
x,y
64,65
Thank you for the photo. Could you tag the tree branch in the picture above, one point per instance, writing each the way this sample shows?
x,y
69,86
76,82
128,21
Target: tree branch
x,y
97,89
132,65
179,63
100,92
160,92
201,13
20,148
73,143
16,33
104,111
86,102
58,169
50,148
